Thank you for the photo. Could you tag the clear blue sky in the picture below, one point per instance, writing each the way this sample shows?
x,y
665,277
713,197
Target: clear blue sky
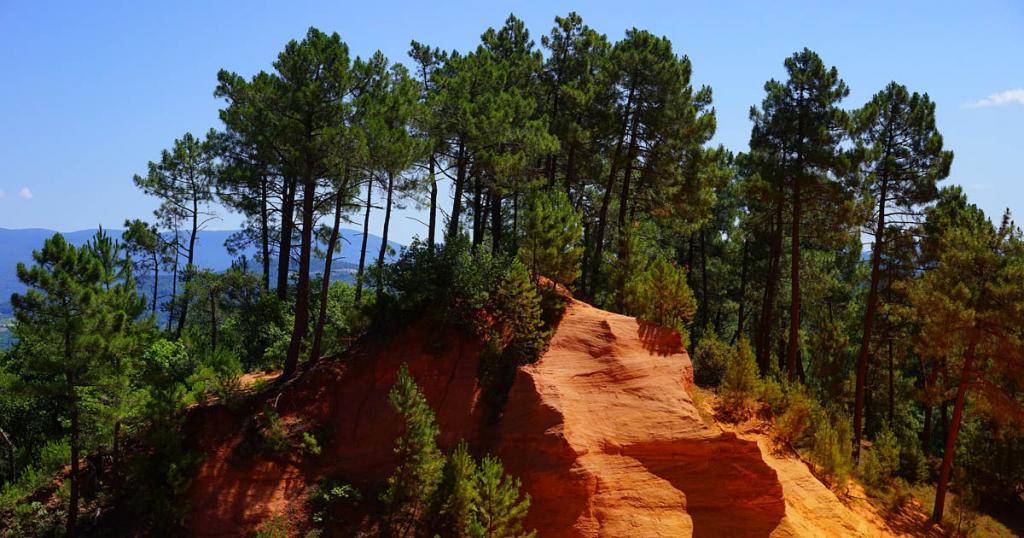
x,y
91,91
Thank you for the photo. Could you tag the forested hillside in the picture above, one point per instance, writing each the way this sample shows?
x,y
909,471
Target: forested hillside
x,y
564,158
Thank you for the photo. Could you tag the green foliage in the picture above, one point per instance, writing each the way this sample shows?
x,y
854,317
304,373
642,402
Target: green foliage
x,y
456,284
797,415
500,509
740,381
831,444
649,285
310,445
219,374
458,494
327,496
275,527
887,448
552,230
273,431
710,360
421,464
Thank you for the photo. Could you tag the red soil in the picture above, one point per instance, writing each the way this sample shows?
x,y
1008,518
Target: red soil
x,y
602,431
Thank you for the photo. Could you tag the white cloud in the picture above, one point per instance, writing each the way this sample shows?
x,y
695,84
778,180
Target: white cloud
x,y
25,193
1007,97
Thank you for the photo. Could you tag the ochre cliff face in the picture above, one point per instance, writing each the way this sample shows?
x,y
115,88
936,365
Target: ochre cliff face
x,y
602,431
604,434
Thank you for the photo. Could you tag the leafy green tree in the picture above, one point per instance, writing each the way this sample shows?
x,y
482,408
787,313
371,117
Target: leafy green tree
x,y
60,314
458,494
904,161
500,511
660,121
147,251
971,307
552,231
183,180
421,464
800,124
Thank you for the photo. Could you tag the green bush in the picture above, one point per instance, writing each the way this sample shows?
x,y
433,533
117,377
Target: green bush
x,y
327,496
799,410
740,381
273,431
710,359
310,445
887,447
832,446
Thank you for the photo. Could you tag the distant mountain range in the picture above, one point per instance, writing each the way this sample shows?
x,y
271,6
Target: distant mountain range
x,y
17,246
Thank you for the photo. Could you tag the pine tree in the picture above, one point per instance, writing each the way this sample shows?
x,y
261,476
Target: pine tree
x,y
904,161
971,310
458,493
552,231
801,126
183,180
421,464
60,315
500,510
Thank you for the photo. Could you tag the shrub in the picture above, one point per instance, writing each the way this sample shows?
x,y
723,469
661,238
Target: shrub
x,y
740,381
831,444
800,407
275,527
870,470
887,448
773,393
710,359
273,431
310,445
327,496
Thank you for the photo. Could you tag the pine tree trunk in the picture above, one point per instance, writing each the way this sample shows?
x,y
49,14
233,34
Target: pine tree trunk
x,y
284,251
265,233
947,454
325,285
432,223
10,456
628,175
478,209
72,521
174,282
764,351
189,265
705,303
384,233
742,299
460,183
602,219
892,395
496,222
156,280
869,321
366,234
302,286
793,345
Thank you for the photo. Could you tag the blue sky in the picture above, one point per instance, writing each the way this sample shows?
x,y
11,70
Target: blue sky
x,y
91,91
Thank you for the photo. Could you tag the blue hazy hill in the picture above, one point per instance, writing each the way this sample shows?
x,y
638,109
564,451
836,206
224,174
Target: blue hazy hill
x,y
16,245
